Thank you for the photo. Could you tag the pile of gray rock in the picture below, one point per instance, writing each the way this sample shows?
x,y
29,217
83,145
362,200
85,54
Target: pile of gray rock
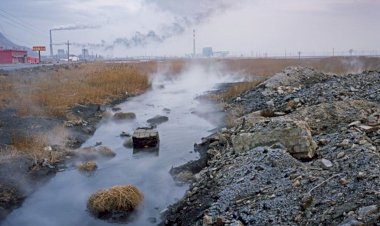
x,y
314,161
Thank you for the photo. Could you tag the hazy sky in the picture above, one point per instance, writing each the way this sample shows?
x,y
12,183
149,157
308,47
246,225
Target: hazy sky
x,y
164,27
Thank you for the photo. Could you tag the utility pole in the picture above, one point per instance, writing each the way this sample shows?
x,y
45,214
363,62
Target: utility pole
x,y
194,53
51,45
299,55
333,51
68,51
84,53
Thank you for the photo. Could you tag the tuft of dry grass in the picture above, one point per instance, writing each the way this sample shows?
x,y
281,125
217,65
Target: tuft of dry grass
x,y
236,90
123,199
6,90
36,146
88,166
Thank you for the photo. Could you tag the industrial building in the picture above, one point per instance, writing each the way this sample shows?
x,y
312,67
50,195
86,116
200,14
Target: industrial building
x,y
11,56
61,54
207,52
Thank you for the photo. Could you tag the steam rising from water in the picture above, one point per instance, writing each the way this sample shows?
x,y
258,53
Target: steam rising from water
x,y
148,172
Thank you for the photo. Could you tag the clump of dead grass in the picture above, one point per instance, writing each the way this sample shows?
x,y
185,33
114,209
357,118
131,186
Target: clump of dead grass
x,y
37,146
88,166
238,89
117,199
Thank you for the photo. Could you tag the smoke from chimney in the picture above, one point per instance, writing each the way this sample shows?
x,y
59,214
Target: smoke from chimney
x,y
75,27
166,31
67,28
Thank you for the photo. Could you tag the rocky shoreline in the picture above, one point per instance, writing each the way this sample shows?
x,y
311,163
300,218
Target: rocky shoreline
x,y
304,151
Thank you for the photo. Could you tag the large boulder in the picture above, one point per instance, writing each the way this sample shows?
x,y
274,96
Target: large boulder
x,y
295,136
327,117
92,153
124,116
158,119
145,138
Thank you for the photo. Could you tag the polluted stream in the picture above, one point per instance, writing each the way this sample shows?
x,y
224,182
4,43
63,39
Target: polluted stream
x,y
62,200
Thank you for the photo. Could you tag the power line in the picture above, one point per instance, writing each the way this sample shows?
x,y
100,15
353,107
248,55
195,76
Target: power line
x,y
19,22
18,40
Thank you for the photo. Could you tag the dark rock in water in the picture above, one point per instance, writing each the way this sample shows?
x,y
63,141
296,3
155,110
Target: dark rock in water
x,y
145,138
158,119
124,116
125,134
166,110
116,109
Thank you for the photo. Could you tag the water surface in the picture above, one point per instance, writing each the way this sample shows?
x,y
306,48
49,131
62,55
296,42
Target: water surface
x,y
62,201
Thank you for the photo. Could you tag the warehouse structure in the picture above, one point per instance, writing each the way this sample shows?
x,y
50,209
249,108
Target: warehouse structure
x,y
11,56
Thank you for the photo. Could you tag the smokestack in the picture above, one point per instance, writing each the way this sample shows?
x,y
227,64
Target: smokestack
x,y
194,43
51,45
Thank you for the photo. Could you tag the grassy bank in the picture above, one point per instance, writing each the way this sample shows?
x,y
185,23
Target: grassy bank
x,y
55,92
258,70
51,92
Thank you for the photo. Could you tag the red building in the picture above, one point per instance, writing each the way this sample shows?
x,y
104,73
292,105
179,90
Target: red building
x,y
33,60
10,56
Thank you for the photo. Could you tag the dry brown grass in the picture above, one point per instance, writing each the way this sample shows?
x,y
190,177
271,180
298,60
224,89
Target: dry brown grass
x,y
237,90
269,67
36,146
6,91
115,199
52,93
261,69
55,92
88,166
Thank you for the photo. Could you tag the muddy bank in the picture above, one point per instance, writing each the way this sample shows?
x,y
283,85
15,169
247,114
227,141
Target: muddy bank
x,y
305,151
21,174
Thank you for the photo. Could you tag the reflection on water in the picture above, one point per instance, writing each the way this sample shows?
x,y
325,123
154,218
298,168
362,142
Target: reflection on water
x,y
138,153
62,201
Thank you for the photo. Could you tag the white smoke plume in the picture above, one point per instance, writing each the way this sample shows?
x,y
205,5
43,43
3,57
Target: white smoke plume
x,y
75,27
187,14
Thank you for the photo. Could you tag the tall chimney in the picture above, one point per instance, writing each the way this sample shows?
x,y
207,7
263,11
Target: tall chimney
x,y
194,53
51,45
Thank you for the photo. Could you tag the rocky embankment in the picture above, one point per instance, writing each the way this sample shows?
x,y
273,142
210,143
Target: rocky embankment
x,y
306,151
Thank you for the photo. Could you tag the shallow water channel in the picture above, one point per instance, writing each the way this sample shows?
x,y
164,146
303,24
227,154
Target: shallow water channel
x,y
62,201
